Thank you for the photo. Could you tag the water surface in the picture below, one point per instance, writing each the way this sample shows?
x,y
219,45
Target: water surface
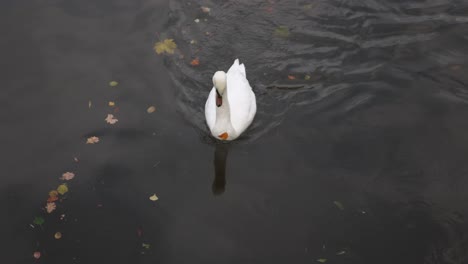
x,y
357,154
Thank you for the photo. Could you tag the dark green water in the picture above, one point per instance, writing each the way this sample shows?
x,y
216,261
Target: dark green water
x,y
357,154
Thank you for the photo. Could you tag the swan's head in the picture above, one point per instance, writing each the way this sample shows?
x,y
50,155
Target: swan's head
x,y
219,82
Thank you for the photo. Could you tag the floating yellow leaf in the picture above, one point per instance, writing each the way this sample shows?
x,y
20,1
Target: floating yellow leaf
x,y
153,198
322,260
282,32
58,235
62,189
339,205
92,140
168,46
111,104
307,7
50,207
151,109
113,83
145,246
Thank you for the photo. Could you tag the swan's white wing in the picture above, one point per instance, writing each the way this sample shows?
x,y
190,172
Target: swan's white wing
x,y
240,97
253,108
210,109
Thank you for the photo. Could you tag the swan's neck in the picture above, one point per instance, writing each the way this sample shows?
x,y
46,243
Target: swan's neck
x,y
223,114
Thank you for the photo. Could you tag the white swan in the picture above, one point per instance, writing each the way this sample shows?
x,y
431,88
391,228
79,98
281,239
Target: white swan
x,y
231,104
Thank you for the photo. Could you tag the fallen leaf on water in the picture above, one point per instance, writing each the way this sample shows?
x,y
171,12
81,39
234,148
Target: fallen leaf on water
x,y
146,246
111,104
89,104
37,255
205,9
322,260
62,216
282,32
58,235
197,20
339,205
307,7
113,83
341,253
291,77
153,198
167,46
52,199
75,159
62,189
38,220
307,77
151,109
50,207
92,140
110,119
67,176
53,196
195,62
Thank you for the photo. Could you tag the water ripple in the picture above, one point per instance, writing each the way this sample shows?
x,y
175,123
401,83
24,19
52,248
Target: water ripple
x,y
342,54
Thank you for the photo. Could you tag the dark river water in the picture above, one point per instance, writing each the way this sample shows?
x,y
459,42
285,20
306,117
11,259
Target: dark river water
x,y
358,152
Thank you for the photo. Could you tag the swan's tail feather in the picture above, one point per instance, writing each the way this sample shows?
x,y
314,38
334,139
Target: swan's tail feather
x,y
242,69
236,67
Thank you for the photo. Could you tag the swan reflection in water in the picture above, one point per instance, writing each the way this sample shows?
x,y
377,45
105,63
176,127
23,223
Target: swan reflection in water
x,y
220,157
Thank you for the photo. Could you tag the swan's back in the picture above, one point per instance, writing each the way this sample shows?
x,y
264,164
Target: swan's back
x,y
241,97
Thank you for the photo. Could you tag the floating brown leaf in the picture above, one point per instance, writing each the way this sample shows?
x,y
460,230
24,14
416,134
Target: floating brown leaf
x,y
50,207
195,62
67,176
53,196
92,140
151,109
110,119
205,9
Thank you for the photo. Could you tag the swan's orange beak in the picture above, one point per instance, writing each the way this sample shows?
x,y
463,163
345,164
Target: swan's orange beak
x,y
223,136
